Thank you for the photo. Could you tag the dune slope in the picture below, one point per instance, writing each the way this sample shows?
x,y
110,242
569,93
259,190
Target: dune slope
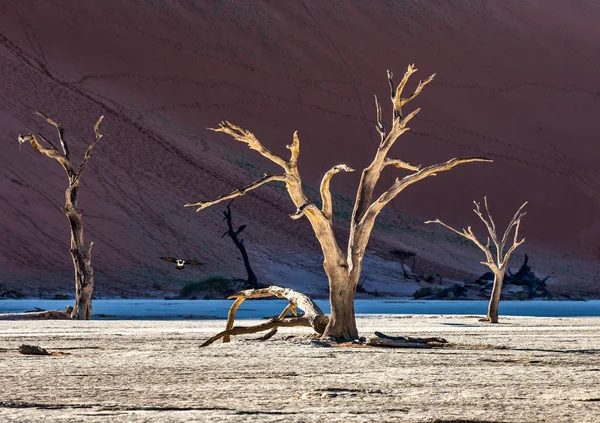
x,y
517,82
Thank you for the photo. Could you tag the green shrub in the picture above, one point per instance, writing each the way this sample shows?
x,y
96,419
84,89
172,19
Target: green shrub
x,y
213,284
426,291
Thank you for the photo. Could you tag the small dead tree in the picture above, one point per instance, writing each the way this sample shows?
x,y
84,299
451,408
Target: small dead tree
x,y
500,264
343,270
80,252
239,243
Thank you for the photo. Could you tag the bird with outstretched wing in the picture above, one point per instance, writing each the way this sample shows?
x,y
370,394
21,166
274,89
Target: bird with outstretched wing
x,y
180,264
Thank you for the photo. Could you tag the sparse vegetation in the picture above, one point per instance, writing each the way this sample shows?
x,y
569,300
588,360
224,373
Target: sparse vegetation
x,y
426,291
211,287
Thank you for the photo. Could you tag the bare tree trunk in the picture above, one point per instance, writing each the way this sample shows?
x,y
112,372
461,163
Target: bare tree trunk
x,y
81,255
492,315
80,252
342,322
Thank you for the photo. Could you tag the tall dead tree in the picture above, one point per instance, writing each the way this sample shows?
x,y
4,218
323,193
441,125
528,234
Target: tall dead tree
x,y
239,243
343,270
80,252
500,264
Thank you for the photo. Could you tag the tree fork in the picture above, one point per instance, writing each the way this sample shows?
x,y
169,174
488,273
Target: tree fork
x,y
499,265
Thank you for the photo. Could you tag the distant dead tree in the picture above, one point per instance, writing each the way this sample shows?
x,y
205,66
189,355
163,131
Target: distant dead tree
x,y
239,243
343,270
500,265
80,252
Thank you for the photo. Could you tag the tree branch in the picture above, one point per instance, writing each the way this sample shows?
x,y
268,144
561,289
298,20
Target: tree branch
x,y
301,211
400,184
516,243
401,164
88,152
420,87
326,209
468,234
240,191
295,149
501,258
51,153
61,133
489,225
248,137
397,94
380,127
270,324
515,220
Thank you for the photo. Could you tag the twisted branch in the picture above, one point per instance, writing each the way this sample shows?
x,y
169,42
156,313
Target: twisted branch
x,y
326,209
61,133
240,191
88,152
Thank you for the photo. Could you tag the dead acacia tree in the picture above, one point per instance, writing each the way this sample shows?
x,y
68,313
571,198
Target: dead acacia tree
x,y
80,252
239,243
343,270
500,264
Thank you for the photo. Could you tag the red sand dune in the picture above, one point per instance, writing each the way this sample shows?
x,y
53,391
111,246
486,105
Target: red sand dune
x,y
518,82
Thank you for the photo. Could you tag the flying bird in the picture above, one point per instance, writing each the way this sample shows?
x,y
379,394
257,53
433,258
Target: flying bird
x,y
179,263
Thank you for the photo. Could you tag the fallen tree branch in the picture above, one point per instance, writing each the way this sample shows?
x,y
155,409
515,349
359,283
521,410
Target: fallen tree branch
x,y
383,340
38,315
313,316
270,324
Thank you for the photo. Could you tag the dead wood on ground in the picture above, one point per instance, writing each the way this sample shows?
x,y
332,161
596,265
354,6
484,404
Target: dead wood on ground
x,y
38,315
313,316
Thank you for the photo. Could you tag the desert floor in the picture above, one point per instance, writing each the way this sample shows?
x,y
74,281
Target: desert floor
x,y
521,370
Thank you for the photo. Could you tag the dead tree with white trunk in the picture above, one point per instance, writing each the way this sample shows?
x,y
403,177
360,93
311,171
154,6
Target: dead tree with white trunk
x,y
343,269
499,265
81,253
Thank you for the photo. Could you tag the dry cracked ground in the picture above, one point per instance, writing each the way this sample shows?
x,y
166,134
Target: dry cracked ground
x,y
521,370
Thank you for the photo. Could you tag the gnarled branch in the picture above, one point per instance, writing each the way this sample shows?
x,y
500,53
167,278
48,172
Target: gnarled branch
x,y
61,133
401,164
401,184
240,191
313,316
245,136
88,152
326,208
295,149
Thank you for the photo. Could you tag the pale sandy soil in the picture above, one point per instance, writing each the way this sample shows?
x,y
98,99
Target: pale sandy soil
x,y
522,370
